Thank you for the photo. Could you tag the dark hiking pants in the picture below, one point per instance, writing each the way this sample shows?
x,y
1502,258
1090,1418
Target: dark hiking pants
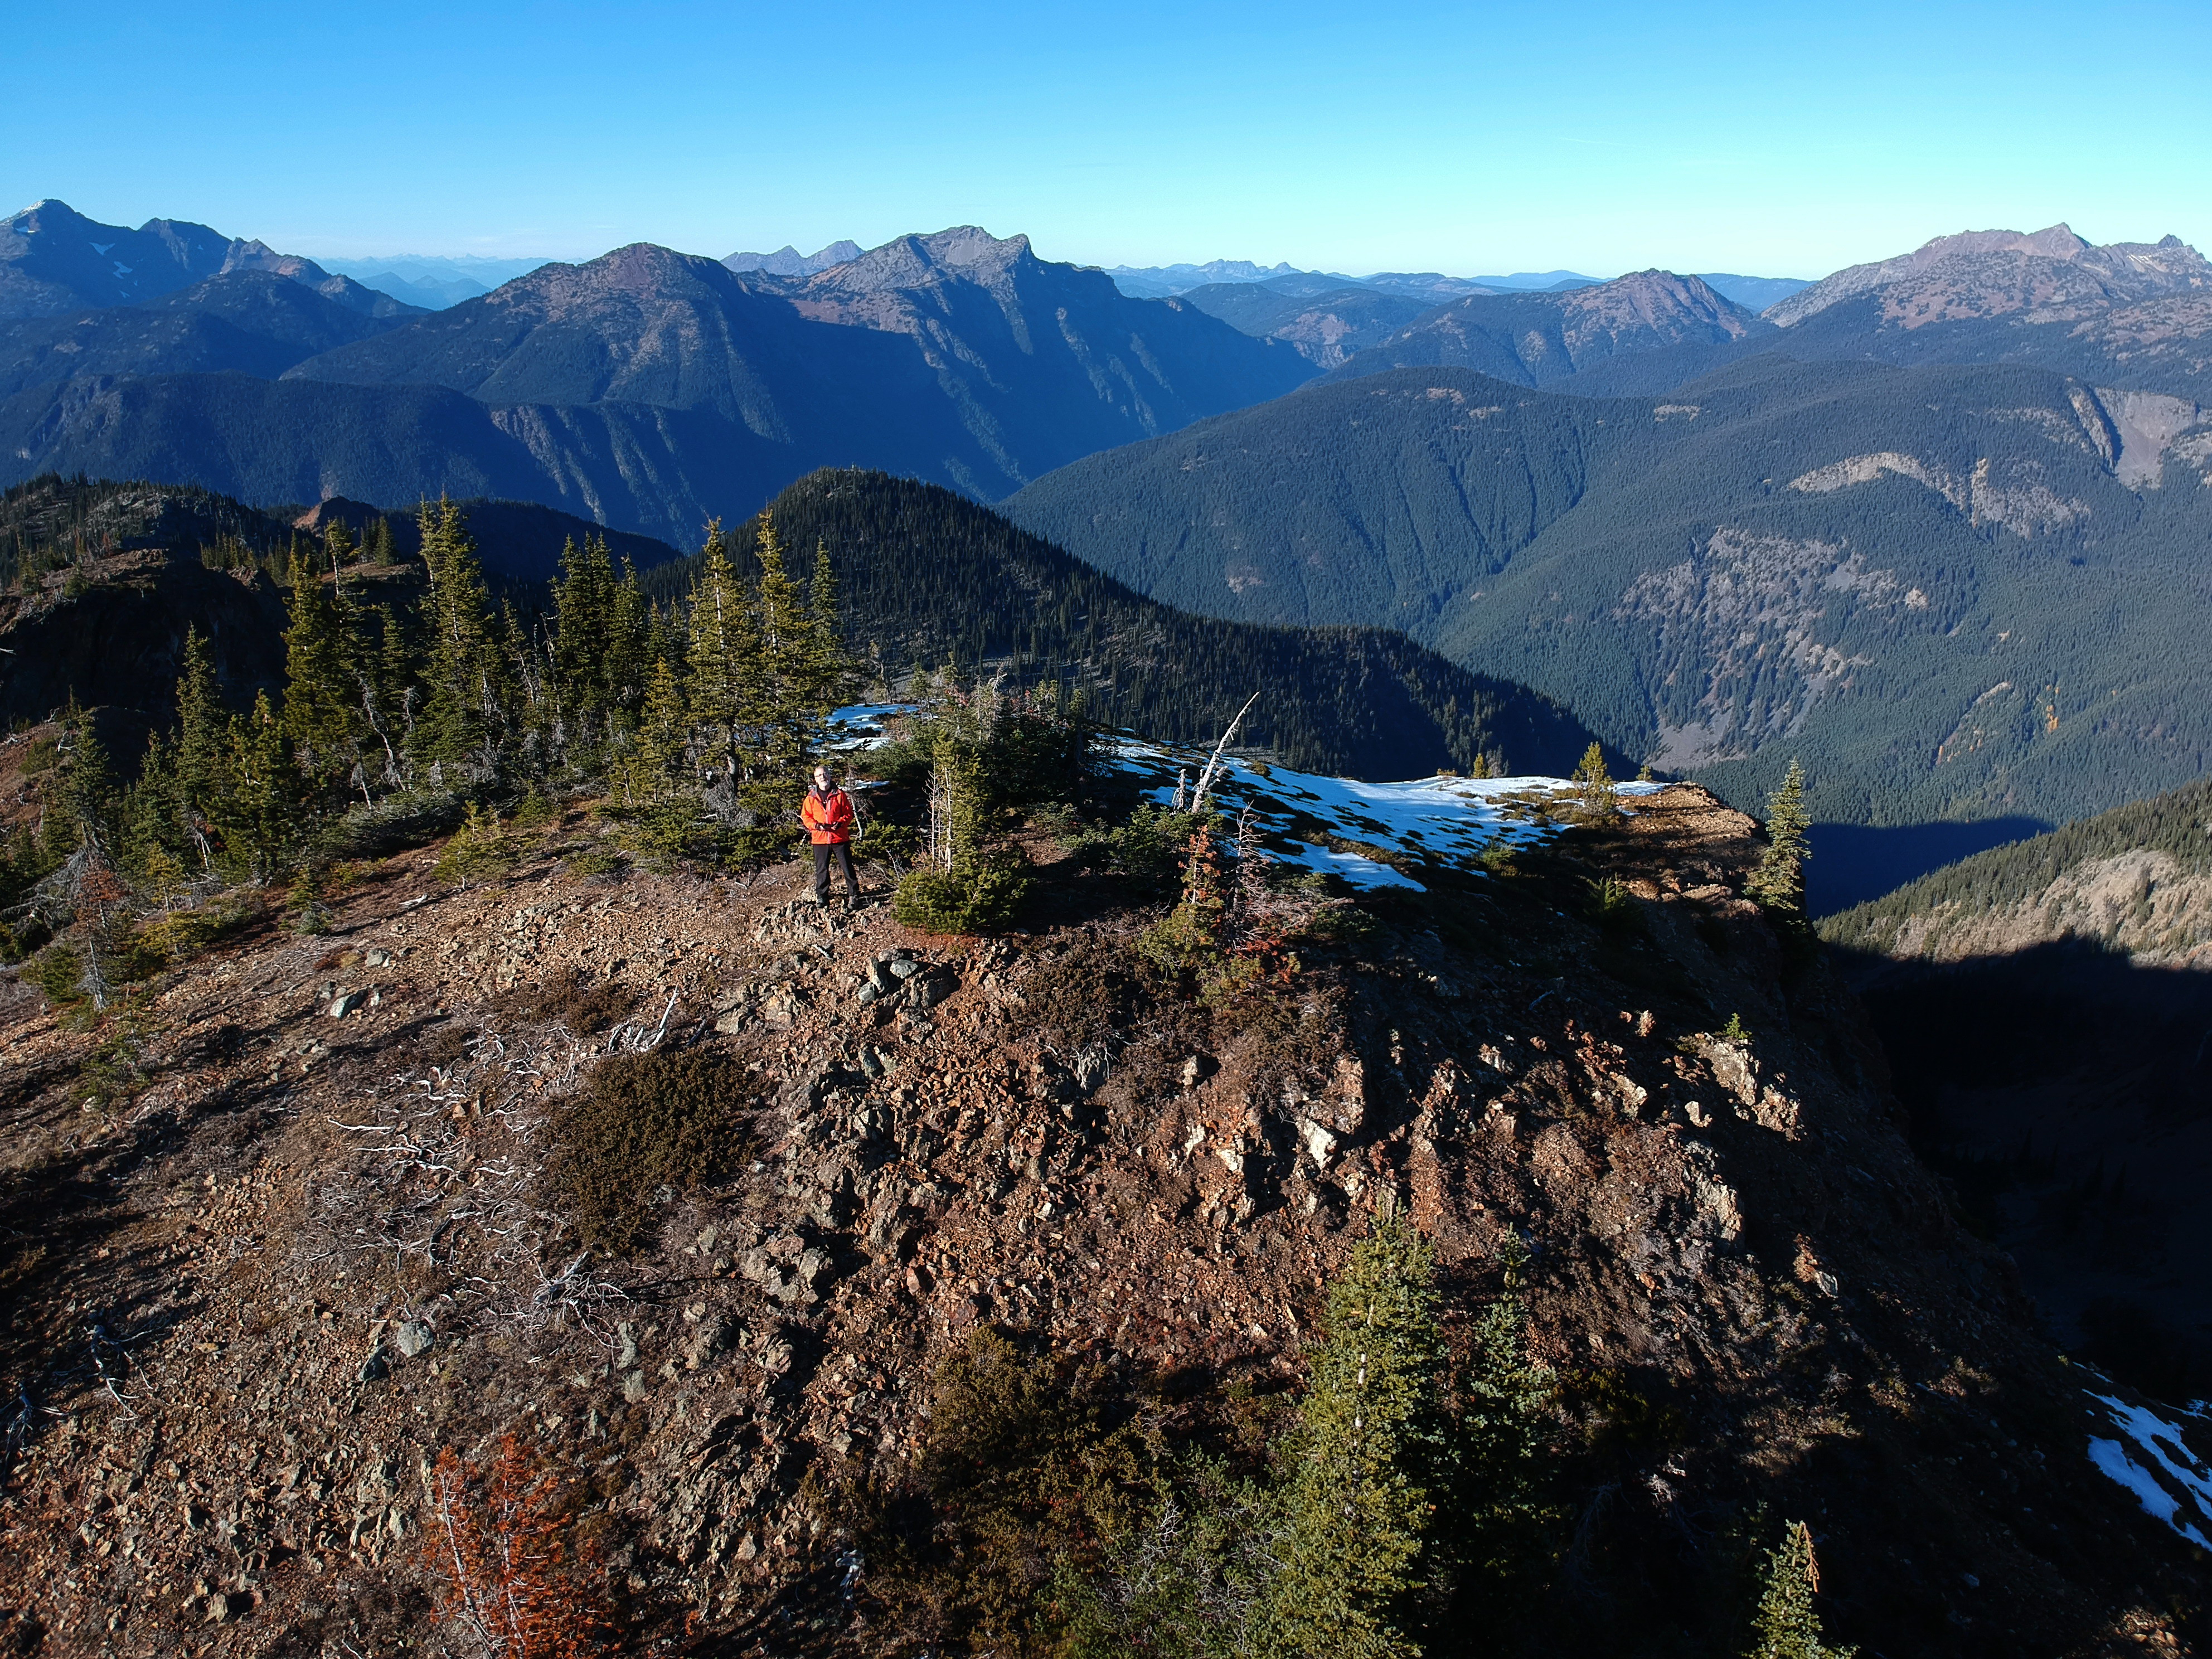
x,y
844,852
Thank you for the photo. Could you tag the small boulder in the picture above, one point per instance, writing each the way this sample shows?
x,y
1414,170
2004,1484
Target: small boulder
x,y
414,1337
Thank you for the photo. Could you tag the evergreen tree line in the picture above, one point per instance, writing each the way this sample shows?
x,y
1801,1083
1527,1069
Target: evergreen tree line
x,y
697,713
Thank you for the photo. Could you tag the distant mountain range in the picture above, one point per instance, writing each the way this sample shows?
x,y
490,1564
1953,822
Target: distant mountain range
x,y
1956,592
647,388
432,281
1164,282
54,261
788,261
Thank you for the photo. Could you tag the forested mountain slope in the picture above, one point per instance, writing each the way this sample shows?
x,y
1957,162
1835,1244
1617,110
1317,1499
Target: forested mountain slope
x,y
926,576
1954,593
2044,1006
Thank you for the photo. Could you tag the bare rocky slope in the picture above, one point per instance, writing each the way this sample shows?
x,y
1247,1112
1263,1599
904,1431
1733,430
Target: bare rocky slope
x,y
282,1231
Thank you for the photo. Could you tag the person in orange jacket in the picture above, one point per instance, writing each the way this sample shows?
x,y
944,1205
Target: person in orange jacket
x,y
829,819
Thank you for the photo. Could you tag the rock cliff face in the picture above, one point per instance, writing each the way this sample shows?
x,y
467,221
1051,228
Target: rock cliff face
x,y
292,1235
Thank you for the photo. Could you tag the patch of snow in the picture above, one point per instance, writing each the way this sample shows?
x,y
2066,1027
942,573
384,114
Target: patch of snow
x,y
859,726
2166,1453
102,247
122,270
1438,820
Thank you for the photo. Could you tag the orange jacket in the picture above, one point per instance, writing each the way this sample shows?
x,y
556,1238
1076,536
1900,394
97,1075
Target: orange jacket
x,y
829,818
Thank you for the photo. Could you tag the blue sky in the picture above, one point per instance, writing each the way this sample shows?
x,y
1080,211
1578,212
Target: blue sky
x,y
1777,139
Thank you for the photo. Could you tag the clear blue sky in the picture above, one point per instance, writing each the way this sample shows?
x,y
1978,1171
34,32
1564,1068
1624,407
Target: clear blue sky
x,y
1778,139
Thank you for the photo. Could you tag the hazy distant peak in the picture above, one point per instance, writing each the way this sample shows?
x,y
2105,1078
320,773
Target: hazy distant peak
x,y
788,261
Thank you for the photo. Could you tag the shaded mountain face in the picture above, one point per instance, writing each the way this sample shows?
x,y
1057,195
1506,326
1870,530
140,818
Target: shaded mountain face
x,y
2044,1006
54,261
1883,571
1543,339
1324,328
245,321
652,390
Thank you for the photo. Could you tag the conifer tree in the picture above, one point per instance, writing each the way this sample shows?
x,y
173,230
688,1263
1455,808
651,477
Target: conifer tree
x,y
318,704
1599,803
657,766
388,694
200,730
583,613
1779,884
831,669
461,705
153,809
526,706
88,795
1498,1518
260,810
629,654
1371,1460
725,652
1787,1627
788,653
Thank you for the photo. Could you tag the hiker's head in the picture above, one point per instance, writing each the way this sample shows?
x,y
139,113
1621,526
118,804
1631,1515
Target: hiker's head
x,y
822,777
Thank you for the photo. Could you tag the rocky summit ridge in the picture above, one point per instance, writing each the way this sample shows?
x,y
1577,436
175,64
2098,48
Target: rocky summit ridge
x,y
302,1241
1987,273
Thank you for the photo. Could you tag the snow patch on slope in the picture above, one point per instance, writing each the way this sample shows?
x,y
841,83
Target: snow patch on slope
x,y
2185,1491
1440,820
1336,826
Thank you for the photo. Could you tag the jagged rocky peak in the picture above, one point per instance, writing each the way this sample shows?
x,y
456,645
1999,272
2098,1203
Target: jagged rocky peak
x,y
963,253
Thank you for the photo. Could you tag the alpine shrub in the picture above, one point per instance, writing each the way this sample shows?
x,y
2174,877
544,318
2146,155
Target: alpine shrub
x,y
643,1122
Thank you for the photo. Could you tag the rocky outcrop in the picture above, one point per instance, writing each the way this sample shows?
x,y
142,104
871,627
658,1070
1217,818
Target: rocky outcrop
x,y
298,1263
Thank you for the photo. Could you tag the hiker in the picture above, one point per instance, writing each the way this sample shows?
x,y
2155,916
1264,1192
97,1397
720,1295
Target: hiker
x,y
829,820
